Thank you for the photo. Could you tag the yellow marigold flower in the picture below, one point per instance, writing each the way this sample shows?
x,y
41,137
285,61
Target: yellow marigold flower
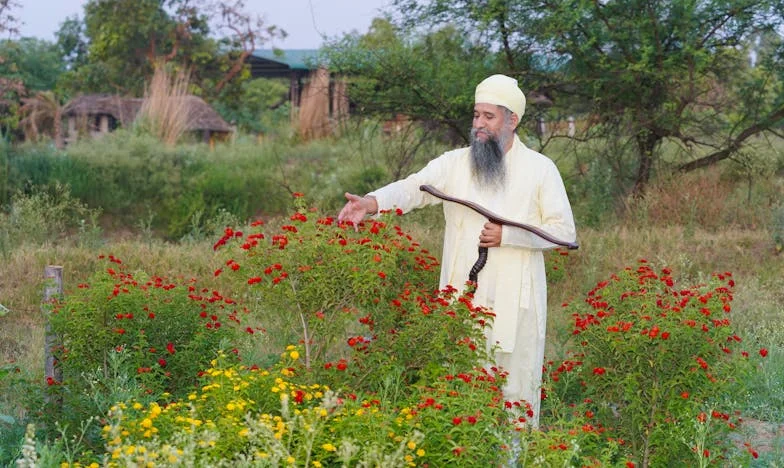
x,y
130,449
125,433
420,453
155,410
274,389
115,441
316,464
244,432
409,458
64,465
290,347
147,434
290,460
172,458
116,453
192,396
294,355
137,406
231,406
329,447
138,449
146,423
323,412
107,428
360,412
411,445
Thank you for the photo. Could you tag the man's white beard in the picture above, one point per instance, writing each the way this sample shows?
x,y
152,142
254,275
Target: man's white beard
x,y
487,159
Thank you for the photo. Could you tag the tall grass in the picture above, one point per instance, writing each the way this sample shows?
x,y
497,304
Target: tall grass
x,y
164,112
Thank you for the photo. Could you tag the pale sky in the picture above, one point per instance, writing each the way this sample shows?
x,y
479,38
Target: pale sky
x,y
305,21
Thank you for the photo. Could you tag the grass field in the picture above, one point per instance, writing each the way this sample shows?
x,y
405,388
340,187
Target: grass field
x,y
695,225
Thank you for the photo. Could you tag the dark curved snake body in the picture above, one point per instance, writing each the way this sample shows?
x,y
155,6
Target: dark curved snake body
x,y
493,218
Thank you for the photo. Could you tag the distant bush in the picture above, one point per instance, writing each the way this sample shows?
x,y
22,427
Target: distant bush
x,y
44,214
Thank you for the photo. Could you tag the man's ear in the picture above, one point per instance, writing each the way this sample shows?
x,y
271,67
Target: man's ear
x,y
514,120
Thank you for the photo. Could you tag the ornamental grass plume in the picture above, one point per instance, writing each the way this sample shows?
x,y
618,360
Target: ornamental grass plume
x,y
165,110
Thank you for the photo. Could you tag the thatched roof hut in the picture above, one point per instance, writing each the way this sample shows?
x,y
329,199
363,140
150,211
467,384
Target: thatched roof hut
x,y
99,114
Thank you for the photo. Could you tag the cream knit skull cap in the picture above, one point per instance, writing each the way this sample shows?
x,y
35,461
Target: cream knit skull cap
x,y
501,90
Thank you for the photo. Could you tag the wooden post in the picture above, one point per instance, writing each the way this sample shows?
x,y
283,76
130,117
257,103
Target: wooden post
x,y
53,288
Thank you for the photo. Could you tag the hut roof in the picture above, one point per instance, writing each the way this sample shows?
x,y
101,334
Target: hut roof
x,y
201,115
122,109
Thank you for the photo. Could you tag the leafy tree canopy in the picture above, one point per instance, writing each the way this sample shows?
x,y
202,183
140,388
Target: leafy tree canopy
x,y
646,71
429,79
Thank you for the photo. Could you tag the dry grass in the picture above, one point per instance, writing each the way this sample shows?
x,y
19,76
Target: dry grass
x,y
164,112
314,108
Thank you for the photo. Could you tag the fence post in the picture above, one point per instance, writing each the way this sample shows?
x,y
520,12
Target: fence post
x,y
53,289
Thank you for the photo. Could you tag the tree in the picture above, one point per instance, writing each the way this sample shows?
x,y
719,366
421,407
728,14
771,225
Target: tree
x,y
430,79
34,62
72,42
11,88
42,115
647,71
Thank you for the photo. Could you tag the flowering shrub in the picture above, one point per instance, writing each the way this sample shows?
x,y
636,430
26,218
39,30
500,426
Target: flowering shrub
x,y
246,415
652,363
158,331
312,280
386,371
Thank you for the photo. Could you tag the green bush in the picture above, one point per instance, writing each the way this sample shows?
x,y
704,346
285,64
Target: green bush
x,y
43,215
652,364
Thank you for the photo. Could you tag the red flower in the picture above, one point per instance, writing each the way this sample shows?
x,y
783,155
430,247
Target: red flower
x,y
382,275
685,395
457,420
471,419
763,352
170,348
630,464
599,371
298,194
162,362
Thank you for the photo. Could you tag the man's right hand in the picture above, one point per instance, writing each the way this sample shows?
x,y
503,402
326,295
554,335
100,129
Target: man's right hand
x,y
356,208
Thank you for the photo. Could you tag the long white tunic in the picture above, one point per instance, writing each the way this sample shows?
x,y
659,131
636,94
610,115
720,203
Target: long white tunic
x,y
513,281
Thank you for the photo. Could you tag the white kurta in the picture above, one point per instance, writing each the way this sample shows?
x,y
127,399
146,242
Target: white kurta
x,y
513,281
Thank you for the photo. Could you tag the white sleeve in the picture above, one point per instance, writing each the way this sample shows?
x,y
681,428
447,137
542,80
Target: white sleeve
x,y
555,212
405,193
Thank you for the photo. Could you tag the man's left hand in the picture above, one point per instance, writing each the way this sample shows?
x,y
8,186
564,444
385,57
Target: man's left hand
x,y
491,235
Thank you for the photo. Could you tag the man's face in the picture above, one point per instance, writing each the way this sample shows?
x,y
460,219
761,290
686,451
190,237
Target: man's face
x,y
488,121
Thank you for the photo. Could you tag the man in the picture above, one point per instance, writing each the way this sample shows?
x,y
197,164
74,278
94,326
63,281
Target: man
x,y
499,173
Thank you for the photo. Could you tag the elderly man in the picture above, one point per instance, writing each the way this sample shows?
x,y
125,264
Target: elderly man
x,y
502,175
